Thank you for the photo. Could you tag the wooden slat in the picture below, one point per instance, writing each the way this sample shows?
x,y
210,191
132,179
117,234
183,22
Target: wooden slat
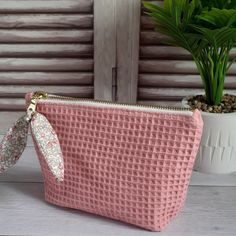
x,y
45,21
128,25
104,48
147,23
11,97
161,103
181,81
46,78
167,80
152,38
45,64
17,91
164,52
36,6
41,36
168,52
12,104
170,93
46,50
166,93
173,66
168,66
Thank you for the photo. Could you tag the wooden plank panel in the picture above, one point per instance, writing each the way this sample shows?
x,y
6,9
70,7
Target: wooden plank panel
x,y
152,38
160,103
36,6
170,93
178,81
128,25
173,66
41,36
104,48
35,21
15,91
164,52
12,104
168,66
46,50
18,104
168,52
45,64
147,23
46,78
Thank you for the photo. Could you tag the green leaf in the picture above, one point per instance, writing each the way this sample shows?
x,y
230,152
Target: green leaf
x,y
217,18
207,29
221,4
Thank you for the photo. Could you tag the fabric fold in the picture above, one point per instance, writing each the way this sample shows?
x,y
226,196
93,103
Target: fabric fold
x,y
48,144
14,143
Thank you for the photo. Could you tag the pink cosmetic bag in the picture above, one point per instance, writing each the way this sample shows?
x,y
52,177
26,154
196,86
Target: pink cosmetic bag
x,y
129,163
126,162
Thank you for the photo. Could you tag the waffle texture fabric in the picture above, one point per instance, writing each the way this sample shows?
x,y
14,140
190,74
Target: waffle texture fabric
x,y
127,165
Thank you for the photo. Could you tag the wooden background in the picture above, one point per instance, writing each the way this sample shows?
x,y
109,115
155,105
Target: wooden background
x,y
68,47
44,45
105,49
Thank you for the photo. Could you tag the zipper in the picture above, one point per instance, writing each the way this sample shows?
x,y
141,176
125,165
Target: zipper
x,y
41,96
34,100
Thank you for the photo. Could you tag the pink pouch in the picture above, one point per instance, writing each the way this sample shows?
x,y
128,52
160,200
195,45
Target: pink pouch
x,y
126,162
129,163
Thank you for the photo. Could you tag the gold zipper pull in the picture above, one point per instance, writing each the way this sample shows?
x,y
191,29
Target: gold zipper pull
x,y
33,102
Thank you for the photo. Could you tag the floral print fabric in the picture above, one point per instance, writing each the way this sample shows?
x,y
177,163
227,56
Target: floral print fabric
x,y
13,143
48,144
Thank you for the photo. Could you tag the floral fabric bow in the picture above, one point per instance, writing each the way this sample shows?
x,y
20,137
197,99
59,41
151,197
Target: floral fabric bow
x,y
15,140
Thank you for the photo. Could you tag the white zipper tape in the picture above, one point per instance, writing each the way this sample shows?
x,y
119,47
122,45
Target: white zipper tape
x,y
91,103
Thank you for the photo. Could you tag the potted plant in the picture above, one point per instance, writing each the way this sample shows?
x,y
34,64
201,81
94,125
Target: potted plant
x,y
207,30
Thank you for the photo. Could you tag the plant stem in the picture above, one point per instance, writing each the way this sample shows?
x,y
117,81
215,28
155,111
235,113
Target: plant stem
x,y
213,66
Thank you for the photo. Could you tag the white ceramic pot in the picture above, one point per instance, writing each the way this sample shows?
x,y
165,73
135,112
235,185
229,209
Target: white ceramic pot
x,y
217,151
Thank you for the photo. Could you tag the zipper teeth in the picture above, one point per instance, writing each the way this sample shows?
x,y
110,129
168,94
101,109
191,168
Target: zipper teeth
x,y
57,97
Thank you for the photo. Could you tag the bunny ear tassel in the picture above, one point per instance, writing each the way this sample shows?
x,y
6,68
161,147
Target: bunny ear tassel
x,y
48,144
14,143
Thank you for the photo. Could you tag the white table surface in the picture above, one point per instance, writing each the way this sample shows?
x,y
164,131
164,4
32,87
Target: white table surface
x,y
210,209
